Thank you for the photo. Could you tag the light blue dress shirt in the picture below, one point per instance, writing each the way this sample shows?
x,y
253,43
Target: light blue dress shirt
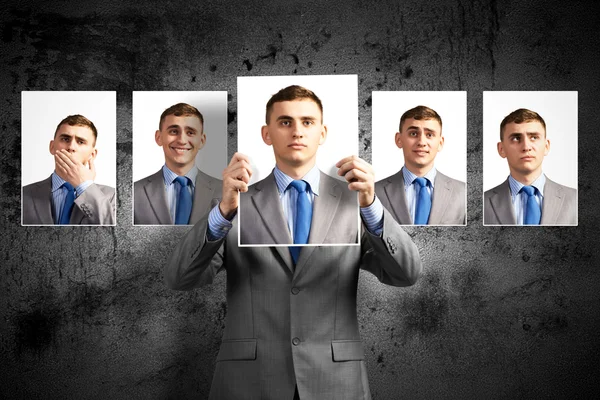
x,y
372,215
172,188
412,189
59,195
519,200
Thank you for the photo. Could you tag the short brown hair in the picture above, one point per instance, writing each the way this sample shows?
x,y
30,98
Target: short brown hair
x,y
181,109
419,113
290,93
518,117
78,120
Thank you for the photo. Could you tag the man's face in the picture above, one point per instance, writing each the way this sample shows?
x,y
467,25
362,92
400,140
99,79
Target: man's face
x,y
420,141
524,146
78,140
295,130
181,138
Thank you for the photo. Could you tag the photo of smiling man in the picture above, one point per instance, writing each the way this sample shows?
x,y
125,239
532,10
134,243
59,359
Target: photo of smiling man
x,y
528,196
71,195
419,193
179,193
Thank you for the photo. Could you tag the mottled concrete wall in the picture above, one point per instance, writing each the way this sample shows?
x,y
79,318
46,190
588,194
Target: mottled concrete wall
x,y
499,313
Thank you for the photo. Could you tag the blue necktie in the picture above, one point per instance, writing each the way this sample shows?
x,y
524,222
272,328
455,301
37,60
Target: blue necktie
x,y
423,202
533,213
184,201
303,218
65,215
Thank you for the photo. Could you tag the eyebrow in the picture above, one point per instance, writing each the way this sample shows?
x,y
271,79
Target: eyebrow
x,y
180,127
66,135
304,118
526,133
416,127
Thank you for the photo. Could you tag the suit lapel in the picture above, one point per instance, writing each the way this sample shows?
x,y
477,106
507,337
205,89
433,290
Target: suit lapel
x,y
502,205
394,190
324,212
157,198
552,203
266,203
42,202
203,195
442,193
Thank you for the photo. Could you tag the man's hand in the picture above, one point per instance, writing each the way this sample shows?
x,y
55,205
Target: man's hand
x,y
73,171
360,176
235,178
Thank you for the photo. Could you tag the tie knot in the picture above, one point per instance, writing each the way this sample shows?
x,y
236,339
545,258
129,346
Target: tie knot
x,y
183,180
68,186
530,190
299,185
421,181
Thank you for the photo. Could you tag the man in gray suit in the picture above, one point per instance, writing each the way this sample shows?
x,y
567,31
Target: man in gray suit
x,y
179,193
292,329
69,196
527,196
419,194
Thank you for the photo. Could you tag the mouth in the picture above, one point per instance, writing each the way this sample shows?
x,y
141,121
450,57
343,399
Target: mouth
x,y
181,150
297,146
528,158
421,152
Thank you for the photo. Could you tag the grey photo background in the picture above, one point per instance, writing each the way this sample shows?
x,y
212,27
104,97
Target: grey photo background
x,y
501,312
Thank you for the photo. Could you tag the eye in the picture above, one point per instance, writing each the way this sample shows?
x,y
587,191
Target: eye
x,y
191,133
412,134
173,131
309,122
81,142
285,123
514,139
430,135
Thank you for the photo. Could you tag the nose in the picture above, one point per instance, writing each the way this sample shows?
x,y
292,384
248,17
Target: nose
x,y
72,146
527,143
297,130
182,138
421,139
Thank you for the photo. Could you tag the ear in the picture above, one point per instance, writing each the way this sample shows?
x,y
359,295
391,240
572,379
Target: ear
x,y
501,151
157,138
264,132
51,147
441,144
547,149
202,140
94,154
398,139
323,135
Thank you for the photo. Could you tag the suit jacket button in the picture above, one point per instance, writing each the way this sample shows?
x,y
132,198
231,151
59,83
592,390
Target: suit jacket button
x,y
295,290
295,341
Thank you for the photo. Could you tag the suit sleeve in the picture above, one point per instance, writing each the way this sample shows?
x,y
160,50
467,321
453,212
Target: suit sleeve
x,y
97,204
195,261
393,258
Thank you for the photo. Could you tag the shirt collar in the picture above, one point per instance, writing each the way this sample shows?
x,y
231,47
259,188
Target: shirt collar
x,y
312,177
169,176
515,185
409,177
57,182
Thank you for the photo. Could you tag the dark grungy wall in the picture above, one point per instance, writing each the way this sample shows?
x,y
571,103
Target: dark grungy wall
x,y
500,312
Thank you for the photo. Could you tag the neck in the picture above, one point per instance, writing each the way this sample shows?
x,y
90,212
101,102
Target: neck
x,y
526,179
59,175
418,171
295,172
180,170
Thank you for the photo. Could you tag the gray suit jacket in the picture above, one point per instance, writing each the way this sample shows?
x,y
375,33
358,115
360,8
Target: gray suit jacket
x,y
447,205
96,206
292,325
335,214
150,200
558,208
